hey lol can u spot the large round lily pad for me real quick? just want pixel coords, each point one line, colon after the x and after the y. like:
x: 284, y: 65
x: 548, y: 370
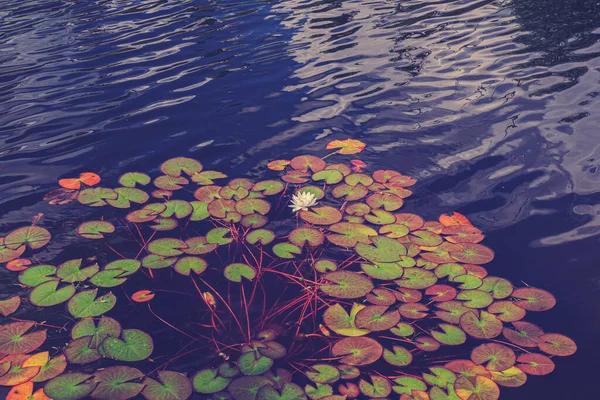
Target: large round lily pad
x: 86, y: 304
x: 15, y: 340
x: 170, y: 386
x: 135, y: 345
x: 117, y: 383
x: 346, y: 285
x: 357, y: 350
x: 70, y: 386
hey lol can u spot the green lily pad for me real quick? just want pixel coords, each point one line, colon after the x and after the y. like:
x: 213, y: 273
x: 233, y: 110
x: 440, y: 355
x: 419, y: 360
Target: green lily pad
x: 115, y: 383
x: 170, y: 183
x: 164, y: 224
x: 481, y: 387
x: 71, y: 271
x: 475, y: 298
x: 207, y: 381
x: 398, y: 356
x: 350, y: 193
x: 286, y: 250
x: 96, y: 197
x: 406, y: 385
x: 394, y: 231
x: 219, y: 208
x: 47, y: 294
x: 70, y: 386
x: 403, y: 329
x: 108, y: 278
x: 251, y: 206
x: 235, y: 272
x: 268, y: 188
x: 95, y: 229
x: 440, y: 377
x: 380, y: 217
x: 80, y: 351
x: 153, y: 261
x: 207, y: 177
x: 323, y: 373
x: 290, y: 391
x: 306, y: 236
x: 146, y: 214
x: 85, y: 304
x: 346, y: 285
x: 321, y: 391
x: 325, y: 215
x: 199, y: 211
x: 131, y: 179
x: 170, y: 386
x: 177, y: 208
x: 262, y: 236
x: 500, y: 288
x: 378, y: 388
x: 348, y: 234
x: 186, y: 265
x: 254, y: 220
x: 15, y: 340
x: 450, y: 335
x: 217, y: 236
x: 329, y: 176
x: 506, y: 311
x: 324, y: 266
x: 387, y: 201
x: 338, y: 320
x: 252, y: 363
x: 383, y: 271
x: 87, y: 328
x: 34, y: 237
x: 177, y: 166
x: 167, y: 247
x: 415, y: 278
x: 199, y: 245
x: 126, y: 266
x: 37, y: 275
x: 126, y: 196
x: 383, y: 249
x: 247, y: 387
x: 451, y: 311
x: 135, y: 346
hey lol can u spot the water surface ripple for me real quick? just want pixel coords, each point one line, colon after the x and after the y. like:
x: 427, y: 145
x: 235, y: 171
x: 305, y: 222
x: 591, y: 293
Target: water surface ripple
x: 492, y: 105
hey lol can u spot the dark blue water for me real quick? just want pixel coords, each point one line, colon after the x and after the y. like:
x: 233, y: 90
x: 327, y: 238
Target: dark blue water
x: 491, y: 105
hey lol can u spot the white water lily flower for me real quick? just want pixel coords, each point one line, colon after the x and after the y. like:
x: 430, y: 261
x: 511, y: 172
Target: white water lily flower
x: 302, y: 201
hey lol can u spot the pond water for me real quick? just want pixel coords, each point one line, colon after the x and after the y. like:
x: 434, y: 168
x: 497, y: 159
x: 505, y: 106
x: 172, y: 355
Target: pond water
x: 491, y: 105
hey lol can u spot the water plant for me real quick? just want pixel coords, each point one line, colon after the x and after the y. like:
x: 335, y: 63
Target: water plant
x: 342, y: 297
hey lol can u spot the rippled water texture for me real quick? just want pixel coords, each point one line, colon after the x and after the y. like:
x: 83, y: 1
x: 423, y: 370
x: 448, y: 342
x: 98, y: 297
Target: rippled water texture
x: 492, y: 105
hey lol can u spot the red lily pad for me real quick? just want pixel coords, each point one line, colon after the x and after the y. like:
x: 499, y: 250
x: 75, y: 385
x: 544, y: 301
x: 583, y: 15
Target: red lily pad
x: 412, y: 221
x: 525, y: 334
x: 325, y: 215
x: 115, y: 383
x: 481, y: 389
x: 142, y: 296
x: 208, y: 193
x: 9, y: 305
x: 454, y: 219
x: 496, y: 357
x: 535, y: 364
x: 278, y: 165
x: 357, y: 350
x: 387, y: 201
x: 473, y: 253
x: 481, y: 324
x: 510, y: 377
x: 346, y: 285
x: 15, y: 340
x: 377, y: 318
x: 507, y: 311
x: 554, y: 344
x: 305, y: 163
x: 14, y: 371
x: 532, y: 299
x: 462, y: 234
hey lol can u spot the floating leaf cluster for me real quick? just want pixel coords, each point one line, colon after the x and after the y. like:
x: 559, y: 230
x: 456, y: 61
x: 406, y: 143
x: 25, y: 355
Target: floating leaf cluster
x: 353, y: 295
